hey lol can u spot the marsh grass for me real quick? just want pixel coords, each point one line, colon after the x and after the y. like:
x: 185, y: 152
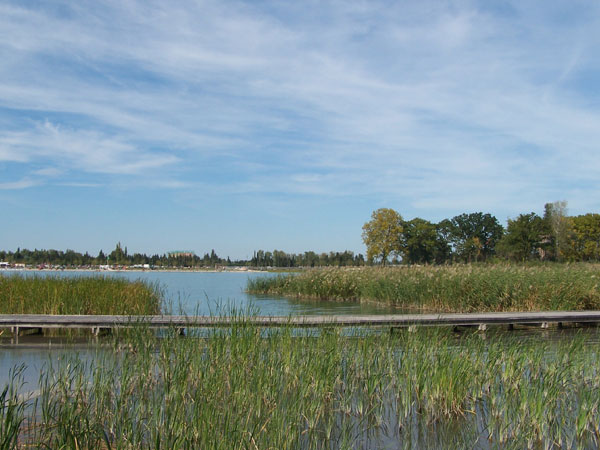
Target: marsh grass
x: 12, y: 409
x: 237, y: 389
x: 457, y: 288
x: 77, y: 295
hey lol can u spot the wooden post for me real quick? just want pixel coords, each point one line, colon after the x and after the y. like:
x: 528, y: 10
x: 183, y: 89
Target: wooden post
x: 15, y: 334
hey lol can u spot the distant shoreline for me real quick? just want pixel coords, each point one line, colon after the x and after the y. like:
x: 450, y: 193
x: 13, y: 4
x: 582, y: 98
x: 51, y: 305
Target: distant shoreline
x: 77, y: 269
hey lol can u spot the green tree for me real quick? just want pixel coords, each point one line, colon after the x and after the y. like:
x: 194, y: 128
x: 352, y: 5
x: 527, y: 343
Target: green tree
x: 382, y: 235
x: 523, y: 238
x: 310, y: 259
x: 118, y: 255
x: 420, y: 241
x: 558, y: 229
x: 474, y: 236
x: 584, y: 244
x: 101, y: 258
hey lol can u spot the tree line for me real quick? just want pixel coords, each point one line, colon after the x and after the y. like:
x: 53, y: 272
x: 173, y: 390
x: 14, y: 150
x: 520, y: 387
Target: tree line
x: 278, y: 258
x: 478, y: 236
x: 121, y: 257
x: 472, y: 237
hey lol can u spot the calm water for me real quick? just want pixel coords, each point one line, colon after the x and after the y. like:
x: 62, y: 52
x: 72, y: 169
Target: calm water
x: 206, y: 293
x: 212, y: 293
x: 202, y: 293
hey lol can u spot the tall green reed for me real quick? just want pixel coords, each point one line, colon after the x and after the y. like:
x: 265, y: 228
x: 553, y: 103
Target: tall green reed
x: 242, y: 388
x: 12, y: 409
x: 459, y: 288
x: 77, y: 295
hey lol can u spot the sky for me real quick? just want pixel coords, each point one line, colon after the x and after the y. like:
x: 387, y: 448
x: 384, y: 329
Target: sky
x: 245, y: 125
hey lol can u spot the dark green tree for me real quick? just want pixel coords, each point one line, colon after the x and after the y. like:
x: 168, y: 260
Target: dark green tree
x: 474, y: 236
x: 523, y: 238
x: 118, y: 255
x: 419, y: 241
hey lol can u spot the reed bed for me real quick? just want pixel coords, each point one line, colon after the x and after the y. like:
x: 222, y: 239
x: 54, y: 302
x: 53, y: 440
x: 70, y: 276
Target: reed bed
x: 77, y: 295
x: 457, y: 288
x: 239, y: 388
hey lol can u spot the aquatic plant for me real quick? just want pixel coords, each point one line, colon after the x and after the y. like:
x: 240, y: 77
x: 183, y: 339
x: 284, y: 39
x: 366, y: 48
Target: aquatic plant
x: 12, y: 408
x: 77, y: 295
x: 243, y: 387
x: 456, y: 288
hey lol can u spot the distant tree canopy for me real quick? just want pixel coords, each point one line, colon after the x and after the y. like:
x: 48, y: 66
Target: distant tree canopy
x: 466, y: 238
x: 524, y: 236
x: 382, y: 235
x: 278, y: 258
x: 422, y: 242
x: 479, y: 236
x: 583, y: 238
x: 121, y: 257
x: 557, y: 229
x: 469, y: 237
x: 474, y: 236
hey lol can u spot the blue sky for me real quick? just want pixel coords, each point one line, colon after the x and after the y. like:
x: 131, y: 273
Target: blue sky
x: 243, y: 125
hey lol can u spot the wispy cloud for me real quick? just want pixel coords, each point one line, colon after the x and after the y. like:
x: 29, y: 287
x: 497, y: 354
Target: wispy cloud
x: 440, y: 106
x: 85, y: 150
x: 23, y: 183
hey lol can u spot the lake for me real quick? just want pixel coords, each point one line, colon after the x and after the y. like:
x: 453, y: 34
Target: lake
x: 211, y: 293
x: 201, y: 293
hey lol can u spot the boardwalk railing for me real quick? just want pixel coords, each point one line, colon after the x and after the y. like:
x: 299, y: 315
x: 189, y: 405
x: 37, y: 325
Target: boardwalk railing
x: 97, y: 322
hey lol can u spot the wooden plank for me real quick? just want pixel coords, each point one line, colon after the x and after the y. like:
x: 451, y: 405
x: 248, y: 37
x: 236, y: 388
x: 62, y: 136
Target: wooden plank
x: 474, y: 319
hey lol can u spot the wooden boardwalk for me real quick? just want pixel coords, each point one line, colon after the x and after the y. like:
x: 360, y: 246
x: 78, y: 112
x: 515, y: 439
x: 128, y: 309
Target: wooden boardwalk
x: 18, y: 322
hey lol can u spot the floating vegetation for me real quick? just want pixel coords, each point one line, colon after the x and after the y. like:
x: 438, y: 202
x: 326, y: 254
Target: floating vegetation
x: 77, y: 295
x: 456, y: 288
x: 238, y: 389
